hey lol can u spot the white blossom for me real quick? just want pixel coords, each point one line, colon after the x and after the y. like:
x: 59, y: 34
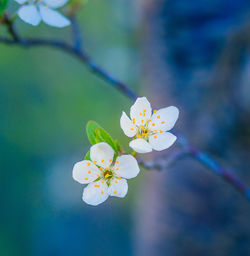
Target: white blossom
x: 149, y: 131
x: 33, y: 11
x: 104, y: 176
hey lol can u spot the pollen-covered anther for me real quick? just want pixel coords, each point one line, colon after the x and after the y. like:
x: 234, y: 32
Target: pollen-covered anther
x: 94, y: 162
x: 155, y: 136
x: 89, y: 171
x: 110, y: 183
x: 117, y: 162
x: 110, y: 160
x: 88, y: 164
x: 153, y: 124
x: 106, y: 176
x: 98, y: 175
x: 140, y: 114
x: 142, y: 121
x: 106, y: 169
x: 116, y: 181
x: 155, y: 131
x: 131, y: 129
x: 86, y: 178
x: 103, y: 181
x: 161, y: 131
x: 163, y: 122
x: 100, y: 168
x: 115, y: 191
x: 139, y: 136
x: 117, y: 169
x: 155, y: 111
x: 47, y: 6
x: 102, y: 160
x: 133, y: 120
x: 119, y: 177
x: 97, y: 186
x: 158, y: 117
x: 102, y: 192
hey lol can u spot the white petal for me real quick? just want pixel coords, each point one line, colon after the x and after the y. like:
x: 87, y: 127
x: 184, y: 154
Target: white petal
x: 164, y: 119
x: 55, y: 3
x: 140, y: 146
x: 161, y: 141
x: 127, y: 126
x: 85, y: 172
x: 21, y: 1
x: 29, y: 14
x: 118, y: 188
x: 53, y: 18
x: 102, y: 153
x: 95, y: 193
x: 126, y: 166
x: 141, y: 111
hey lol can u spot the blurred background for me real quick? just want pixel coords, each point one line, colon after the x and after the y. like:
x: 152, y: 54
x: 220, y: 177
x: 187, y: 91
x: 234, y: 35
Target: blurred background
x: 193, y: 54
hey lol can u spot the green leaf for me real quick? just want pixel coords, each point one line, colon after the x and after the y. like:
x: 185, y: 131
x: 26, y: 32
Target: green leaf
x: 3, y: 6
x: 97, y: 134
x: 90, y: 129
x: 87, y: 156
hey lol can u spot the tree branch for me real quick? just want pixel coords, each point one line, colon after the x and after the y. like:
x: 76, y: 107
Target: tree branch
x: 77, y: 52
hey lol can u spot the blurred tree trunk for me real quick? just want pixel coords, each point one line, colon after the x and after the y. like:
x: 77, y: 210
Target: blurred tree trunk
x: 195, y: 57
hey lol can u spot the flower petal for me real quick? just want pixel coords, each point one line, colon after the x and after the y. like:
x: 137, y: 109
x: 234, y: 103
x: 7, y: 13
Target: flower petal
x: 126, y: 166
x: 55, y: 3
x: 53, y: 18
x: 118, y: 188
x: 95, y: 193
x: 102, y: 154
x: 127, y: 126
x: 21, y: 1
x: 141, y: 111
x: 164, y: 119
x: 140, y: 146
x: 85, y: 172
x: 29, y: 14
x: 161, y: 141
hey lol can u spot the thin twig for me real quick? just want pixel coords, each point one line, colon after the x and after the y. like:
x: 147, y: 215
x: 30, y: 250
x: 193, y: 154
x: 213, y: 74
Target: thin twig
x: 80, y: 54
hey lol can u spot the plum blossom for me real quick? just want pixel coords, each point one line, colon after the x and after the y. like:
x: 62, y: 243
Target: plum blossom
x: 104, y: 176
x: 149, y: 131
x: 33, y: 11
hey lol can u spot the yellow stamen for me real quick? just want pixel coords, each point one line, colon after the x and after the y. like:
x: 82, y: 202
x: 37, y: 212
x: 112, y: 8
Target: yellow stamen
x: 155, y: 111
x: 117, y: 169
x: 131, y: 129
x: 139, y: 136
x: 142, y: 121
x: 155, y: 136
x: 107, y: 169
x: 106, y: 176
x: 153, y: 124
x: 88, y: 164
x: 100, y: 168
x: 115, y: 192
x: 163, y: 122
x: 102, y: 192
x: 89, y: 172
x: 86, y: 178
x: 98, y: 175
x: 97, y: 186
x: 47, y: 6
x: 94, y: 162
x: 155, y: 131
x: 161, y: 131
x: 119, y: 177
x: 117, y: 162
x: 144, y: 110
x: 110, y: 183
x: 103, y: 181
x: 116, y: 181
x: 110, y: 160
x: 140, y: 114
x: 102, y: 160
x: 158, y: 117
